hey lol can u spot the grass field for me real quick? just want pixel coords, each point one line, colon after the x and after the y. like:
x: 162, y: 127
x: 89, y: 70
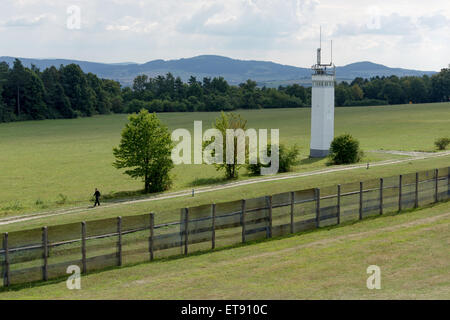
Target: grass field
x: 410, y: 248
x: 40, y: 160
x: 57, y: 163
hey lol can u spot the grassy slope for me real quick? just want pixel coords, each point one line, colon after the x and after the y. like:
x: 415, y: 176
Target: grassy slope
x: 410, y: 248
x: 41, y: 159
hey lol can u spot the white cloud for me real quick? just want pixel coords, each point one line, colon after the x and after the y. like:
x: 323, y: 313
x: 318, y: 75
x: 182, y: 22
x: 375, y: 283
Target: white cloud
x: 248, y: 18
x: 391, y: 25
x: 132, y: 24
x: 24, y: 21
x: 435, y: 21
x: 284, y: 31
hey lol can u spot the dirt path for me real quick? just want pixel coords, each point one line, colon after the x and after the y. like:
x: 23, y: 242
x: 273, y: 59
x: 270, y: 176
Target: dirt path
x: 404, y: 153
x: 123, y: 202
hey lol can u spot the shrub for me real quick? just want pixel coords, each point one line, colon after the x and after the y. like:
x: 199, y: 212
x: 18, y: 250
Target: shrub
x: 442, y: 143
x: 365, y: 102
x: 62, y: 199
x: 288, y: 157
x: 16, y: 206
x: 345, y: 149
x: 41, y: 204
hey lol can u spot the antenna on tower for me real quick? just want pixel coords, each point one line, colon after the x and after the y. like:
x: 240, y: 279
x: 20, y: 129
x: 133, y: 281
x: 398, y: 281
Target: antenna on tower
x: 320, y: 37
x: 319, y: 60
x: 331, y: 51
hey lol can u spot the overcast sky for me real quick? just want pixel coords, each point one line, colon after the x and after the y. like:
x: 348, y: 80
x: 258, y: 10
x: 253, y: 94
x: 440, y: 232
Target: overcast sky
x: 398, y: 33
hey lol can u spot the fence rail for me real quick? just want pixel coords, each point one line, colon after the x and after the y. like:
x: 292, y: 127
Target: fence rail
x: 45, y: 253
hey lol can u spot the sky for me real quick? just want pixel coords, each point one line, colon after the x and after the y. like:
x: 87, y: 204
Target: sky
x: 412, y: 34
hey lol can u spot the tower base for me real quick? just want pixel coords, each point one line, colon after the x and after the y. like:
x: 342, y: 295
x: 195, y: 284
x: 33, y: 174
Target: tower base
x: 315, y: 153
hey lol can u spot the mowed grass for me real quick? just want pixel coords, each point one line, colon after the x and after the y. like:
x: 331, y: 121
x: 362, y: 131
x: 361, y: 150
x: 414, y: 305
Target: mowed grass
x: 410, y: 248
x: 57, y: 163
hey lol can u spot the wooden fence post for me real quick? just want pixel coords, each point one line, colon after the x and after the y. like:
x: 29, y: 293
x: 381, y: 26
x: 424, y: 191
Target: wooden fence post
x: 400, y: 184
x: 317, y: 207
x: 6, y: 276
x: 119, y: 242
x: 83, y: 246
x: 360, y: 200
x: 269, y: 198
x: 152, y: 234
x: 292, y: 211
x: 436, y: 183
x: 416, y: 197
x: 186, y: 230
x: 45, y: 246
x: 338, y: 204
x: 213, y: 235
x: 243, y: 219
x: 381, y: 195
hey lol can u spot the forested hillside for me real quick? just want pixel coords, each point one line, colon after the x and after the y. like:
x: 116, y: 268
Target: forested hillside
x: 234, y: 71
x: 68, y: 92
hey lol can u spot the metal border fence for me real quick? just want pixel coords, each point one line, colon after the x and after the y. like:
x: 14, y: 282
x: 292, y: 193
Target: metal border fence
x: 45, y: 253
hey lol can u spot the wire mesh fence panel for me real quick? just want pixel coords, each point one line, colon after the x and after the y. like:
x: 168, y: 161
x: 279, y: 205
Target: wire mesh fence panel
x: 25, y: 275
x: 391, y: 194
x: 371, y: 184
x: 371, y: 203
x: 228, y: 223
x: 256, y: 219
x: 101, y: 244
x: 25, y: 255
x: 135, y: 239
x: 328, y: 206
x: 281, y: 214
x: 64, y: 248
x: 427, y: 187
x: 443, y: 184
x: 200, y: 225
x: 304, y: 210
x: 408, y: 191
x: 371, y: 198
x: 26, y: 252
x: 168, y: 237
x: 349, y: 202
x: 2, y: 263
x: 101, y: 262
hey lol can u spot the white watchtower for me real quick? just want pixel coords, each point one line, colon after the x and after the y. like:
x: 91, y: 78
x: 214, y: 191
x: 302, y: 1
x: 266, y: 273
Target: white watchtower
x: 322, y: 106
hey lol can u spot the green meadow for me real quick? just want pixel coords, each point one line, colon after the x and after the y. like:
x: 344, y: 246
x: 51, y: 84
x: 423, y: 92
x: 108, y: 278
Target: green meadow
x: 57, y: 163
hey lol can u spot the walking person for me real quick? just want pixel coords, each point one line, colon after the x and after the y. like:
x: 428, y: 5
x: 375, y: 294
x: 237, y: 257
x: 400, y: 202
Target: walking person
x: 97, y: 197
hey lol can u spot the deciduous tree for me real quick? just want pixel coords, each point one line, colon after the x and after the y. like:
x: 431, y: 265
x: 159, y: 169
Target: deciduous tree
x: 145, y: 151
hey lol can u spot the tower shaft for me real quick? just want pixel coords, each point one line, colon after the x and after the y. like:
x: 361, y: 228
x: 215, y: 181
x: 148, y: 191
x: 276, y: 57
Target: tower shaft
x: 322, y: 114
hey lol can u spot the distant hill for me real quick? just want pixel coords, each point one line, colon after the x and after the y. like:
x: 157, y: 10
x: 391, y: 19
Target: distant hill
x: 233, y: 70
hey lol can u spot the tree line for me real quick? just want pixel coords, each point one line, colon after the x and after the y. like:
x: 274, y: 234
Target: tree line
x: 68, y: 92
x: 394, y: 90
